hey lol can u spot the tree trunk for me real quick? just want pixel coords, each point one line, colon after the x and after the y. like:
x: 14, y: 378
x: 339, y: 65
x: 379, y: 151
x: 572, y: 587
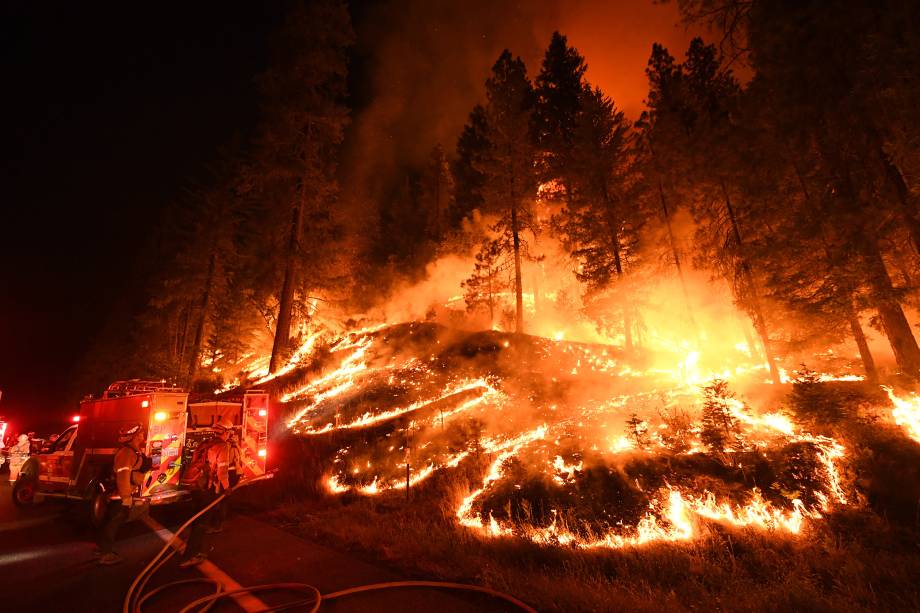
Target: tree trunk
x: 518, y: 287
x: 202, y: 318
x: 891, y: 315
x: 852, y: 313
x: 182, y: 343
x: 491, y: 301
x: 613, y: 227
x: 437, y: 202
x: 896, y: 178
x: 863, y: 344
x: 286, y: 302
x: 680, y: 271
x: 753, y: 300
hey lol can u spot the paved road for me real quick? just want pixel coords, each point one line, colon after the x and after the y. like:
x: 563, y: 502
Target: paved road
x: 46, y: 564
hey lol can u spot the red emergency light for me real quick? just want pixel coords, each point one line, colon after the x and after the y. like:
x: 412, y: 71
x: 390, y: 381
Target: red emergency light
x: 262, y: 453
x: 75, y: 419
x: 262, y: 412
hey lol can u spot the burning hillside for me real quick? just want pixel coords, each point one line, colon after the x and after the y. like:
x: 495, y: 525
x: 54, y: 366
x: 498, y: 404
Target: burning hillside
x: 576, y: 443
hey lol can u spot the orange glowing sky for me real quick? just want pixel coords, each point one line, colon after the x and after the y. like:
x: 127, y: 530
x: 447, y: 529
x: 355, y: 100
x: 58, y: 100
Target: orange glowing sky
x: 616, y: 37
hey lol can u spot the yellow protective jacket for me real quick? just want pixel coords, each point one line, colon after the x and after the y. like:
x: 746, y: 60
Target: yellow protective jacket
x: 219, y: 457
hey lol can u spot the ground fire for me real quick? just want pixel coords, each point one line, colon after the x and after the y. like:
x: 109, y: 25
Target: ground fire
x: 578, y: 443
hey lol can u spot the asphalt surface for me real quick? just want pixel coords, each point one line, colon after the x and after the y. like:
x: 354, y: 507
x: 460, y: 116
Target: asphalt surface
x: 47, y: 564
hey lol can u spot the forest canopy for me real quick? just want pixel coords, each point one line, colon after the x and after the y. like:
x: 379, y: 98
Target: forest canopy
x: 796, y: 189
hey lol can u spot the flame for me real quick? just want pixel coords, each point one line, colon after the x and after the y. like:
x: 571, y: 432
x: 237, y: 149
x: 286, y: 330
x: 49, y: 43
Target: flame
x: 906, y: 412
x: 674, y: 512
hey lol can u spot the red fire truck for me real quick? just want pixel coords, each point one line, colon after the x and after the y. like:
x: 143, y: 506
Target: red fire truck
x: 78, y: 466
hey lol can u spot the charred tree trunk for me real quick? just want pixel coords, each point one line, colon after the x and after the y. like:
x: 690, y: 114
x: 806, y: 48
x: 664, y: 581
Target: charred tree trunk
x: 202, y: 318
x: 613, y: 227
x: 437, y: 203
x: 753, y: 298
x: 863, y: 345
x: 852, y: 313
x: 899, y: 185
x: 491, y: 300
x: 286, y: 301
x: 891, y: 315
x: 518, y: 287
x: 183, y: 342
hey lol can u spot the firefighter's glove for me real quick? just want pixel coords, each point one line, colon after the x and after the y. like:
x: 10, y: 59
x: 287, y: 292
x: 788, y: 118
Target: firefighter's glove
x: 127, y: 501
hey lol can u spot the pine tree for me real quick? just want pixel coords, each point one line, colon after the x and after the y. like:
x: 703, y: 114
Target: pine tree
x: 468, y: 179
x: 509, y: 185
x: 559, y: 93
x: 660, y: 130
x: 488, y: 281
x: 600, y: 222
x: 719, y: 429
x: 304, y: 121
x: 637, y: 429
x: 435, y: 190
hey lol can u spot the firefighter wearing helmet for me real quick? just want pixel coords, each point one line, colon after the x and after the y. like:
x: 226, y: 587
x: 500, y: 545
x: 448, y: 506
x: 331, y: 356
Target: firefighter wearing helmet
x: 19, y: 453
x: 129, y: 467
x: 219, y: 457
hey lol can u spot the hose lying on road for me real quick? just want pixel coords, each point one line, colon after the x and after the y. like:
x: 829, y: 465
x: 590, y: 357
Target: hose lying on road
x: 136, y: 597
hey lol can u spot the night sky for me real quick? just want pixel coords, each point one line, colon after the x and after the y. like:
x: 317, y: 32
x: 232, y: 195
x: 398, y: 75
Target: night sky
x: 108, y: 112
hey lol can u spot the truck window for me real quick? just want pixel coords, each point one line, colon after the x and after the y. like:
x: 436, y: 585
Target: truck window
x: 66, y: 435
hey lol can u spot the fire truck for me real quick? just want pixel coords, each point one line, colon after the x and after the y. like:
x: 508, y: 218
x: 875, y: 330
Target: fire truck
x: 78, y: 466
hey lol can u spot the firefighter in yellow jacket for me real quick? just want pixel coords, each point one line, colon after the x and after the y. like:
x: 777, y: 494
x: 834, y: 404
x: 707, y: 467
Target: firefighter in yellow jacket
x: 129, y: 466
x: 219, y: 456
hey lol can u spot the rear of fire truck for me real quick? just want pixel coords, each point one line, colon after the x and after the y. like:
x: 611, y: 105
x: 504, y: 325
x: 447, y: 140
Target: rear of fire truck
x: 249, y: 415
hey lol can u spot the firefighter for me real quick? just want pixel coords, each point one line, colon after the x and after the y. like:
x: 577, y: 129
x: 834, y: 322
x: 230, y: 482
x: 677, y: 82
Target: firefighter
x: 129, y: 467
x: 218, y: 483
x: 234, y: 474
x: 19, y: 453
x: 236, y: 459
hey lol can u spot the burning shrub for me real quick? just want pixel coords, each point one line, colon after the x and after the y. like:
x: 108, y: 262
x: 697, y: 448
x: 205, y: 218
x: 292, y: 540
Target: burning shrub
x: 719, y: 430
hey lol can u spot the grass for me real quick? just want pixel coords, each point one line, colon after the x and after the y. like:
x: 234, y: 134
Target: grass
x: 861, y: 557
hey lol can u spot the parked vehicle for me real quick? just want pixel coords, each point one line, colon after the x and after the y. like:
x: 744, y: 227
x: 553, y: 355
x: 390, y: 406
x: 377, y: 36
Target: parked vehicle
x: 78, y: 465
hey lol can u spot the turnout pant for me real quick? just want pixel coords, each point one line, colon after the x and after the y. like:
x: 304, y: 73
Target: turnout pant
x: 196, y: 538
x: 110, y: 530
x: 119, y: 517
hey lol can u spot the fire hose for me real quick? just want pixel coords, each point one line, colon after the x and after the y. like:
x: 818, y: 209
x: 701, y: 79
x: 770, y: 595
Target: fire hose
x: 136, y: 597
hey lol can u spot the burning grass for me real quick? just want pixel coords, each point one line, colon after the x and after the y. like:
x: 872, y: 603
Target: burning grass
x: 534, y: 466
x: 546, y: 424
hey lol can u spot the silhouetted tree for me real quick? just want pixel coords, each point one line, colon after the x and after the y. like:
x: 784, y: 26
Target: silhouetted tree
x: 472, y: 146
x: 303, y: 95
x: 558, y: 91
x: 509, y: 185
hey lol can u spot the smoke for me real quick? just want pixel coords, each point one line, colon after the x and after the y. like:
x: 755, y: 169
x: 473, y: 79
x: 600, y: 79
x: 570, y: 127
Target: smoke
x: 421, y: 67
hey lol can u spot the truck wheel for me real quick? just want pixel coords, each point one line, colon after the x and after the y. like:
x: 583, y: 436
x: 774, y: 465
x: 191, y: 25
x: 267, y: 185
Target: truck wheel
x: 98, y: 507
x: 24, y: 491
